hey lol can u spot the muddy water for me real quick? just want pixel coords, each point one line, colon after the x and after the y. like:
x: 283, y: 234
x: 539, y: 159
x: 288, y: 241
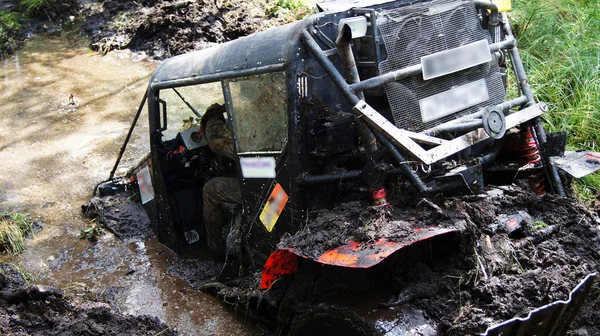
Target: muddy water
x: 65, y: 112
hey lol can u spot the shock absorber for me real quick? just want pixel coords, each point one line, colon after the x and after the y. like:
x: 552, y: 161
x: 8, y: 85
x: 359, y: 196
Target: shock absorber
x: 379, y: 197
x: 531, y: 155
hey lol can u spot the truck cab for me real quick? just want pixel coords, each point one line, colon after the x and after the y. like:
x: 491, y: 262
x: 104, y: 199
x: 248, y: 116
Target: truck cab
x: 342, y: 105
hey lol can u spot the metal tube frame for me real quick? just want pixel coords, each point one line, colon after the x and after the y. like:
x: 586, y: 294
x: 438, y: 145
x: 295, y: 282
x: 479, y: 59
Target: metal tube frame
x: 449, y: 126
x: 215, y: 77
x: 414, y: 70
x: 379, y: 126
x: 549, y: 168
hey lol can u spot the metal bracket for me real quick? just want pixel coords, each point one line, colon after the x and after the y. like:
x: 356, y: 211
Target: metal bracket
x: 409, y: 141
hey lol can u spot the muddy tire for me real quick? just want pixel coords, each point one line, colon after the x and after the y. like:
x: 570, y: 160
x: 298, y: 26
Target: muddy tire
x: 330, y: 320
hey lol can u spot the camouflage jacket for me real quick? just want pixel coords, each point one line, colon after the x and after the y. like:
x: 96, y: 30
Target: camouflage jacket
x: 218, y: 137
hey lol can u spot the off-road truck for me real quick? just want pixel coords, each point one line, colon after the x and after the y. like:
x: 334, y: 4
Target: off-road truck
x: 365, y: 103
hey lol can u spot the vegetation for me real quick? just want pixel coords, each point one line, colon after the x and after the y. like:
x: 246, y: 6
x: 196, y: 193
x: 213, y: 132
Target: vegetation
x: 539, y: 225
x: 288, y: 10
x: 91, y: 233
x: 14, y: 227
x: 10, y: 23
x: 12, y: 18
x: 559, y: 42
x: 36, y: 7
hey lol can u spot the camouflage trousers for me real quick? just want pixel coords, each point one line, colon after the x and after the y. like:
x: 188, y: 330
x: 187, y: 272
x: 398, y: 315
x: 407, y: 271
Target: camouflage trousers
x: 216, y: 191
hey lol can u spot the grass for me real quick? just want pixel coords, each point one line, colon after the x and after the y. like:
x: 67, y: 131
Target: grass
x: 288, y: 10
x: 14, y: 227
x: 10, y: 24
x: 559, y: 42
x: 35, y: 7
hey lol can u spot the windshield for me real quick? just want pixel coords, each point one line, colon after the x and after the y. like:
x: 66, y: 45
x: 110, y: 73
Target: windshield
x: 188, y: 102
x: 259, y: 112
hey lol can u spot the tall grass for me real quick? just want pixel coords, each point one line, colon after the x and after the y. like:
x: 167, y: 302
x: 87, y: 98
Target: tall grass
x: 14, y: 227
x: 560, y: 46
x: 36, y: 7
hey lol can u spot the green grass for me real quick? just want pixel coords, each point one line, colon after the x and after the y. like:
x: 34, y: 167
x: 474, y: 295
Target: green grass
x: 559, y: 42
x: 10, y: 23
x: 14, y: 227
x: 288, y: 10
x: 35, y: 8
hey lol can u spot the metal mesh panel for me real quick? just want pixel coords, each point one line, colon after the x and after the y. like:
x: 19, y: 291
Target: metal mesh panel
x: 411, y: 32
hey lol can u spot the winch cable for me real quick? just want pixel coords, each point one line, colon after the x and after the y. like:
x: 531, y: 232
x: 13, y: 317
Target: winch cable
x: 122, y: 151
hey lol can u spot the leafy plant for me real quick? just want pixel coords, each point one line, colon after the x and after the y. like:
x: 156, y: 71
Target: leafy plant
x: 92, y: 233
x: 288, y: 10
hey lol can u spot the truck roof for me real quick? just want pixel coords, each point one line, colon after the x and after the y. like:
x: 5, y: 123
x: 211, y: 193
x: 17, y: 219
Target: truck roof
x: 270, y: 47
x: 343, y: 5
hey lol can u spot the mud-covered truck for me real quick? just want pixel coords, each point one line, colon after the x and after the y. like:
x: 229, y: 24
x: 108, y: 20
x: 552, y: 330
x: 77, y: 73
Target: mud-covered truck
x: 346, y: 125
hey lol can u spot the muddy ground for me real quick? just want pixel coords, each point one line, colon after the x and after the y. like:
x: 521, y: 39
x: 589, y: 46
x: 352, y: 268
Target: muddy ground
x: 161, y: 29
x: 39, y: 310
x: 485, y: 277
x: 156, y: 29
x: 482, y: 276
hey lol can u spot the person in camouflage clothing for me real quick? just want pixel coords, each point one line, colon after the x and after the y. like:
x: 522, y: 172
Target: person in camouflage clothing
x: 218, y: 189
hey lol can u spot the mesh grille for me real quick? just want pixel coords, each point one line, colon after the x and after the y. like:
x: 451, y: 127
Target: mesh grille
x: 411, y: 32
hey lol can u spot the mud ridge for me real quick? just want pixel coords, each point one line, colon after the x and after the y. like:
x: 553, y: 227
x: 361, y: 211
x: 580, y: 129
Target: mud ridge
x: 39, y: 310
x: 162, y: 29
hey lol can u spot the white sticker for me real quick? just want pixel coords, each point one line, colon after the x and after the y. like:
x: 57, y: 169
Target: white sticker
x: 145, y: 184
x: 453, y: 100
x: 258, y: 167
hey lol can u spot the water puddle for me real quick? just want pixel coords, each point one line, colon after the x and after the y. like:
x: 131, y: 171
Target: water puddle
x: 65, y: 113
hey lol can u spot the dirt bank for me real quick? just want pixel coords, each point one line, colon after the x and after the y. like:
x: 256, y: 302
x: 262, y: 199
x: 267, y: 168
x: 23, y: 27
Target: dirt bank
x: 162, y: 29
x: 38, y: 310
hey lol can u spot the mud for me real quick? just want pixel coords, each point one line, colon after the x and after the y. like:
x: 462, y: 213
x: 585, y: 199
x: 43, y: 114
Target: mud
x: 359, y: 221
x: 39, y: 310
x: 120, y: 214
x: 161, y: 29
x: 469, y: 281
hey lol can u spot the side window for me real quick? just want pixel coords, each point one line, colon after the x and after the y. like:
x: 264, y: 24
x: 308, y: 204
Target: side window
x: 259, y: 112
x: 180, y: 101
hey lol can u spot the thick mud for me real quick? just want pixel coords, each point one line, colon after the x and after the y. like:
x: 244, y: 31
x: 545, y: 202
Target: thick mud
x: 120, y: 214
x: 329, y: 228
x: 162, y: 29
x: 40, y: 310
x: 467, y: 281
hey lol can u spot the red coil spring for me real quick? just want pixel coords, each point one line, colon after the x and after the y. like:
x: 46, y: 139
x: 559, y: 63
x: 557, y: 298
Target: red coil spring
x: 531, y: 155
x: 379, y: 197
